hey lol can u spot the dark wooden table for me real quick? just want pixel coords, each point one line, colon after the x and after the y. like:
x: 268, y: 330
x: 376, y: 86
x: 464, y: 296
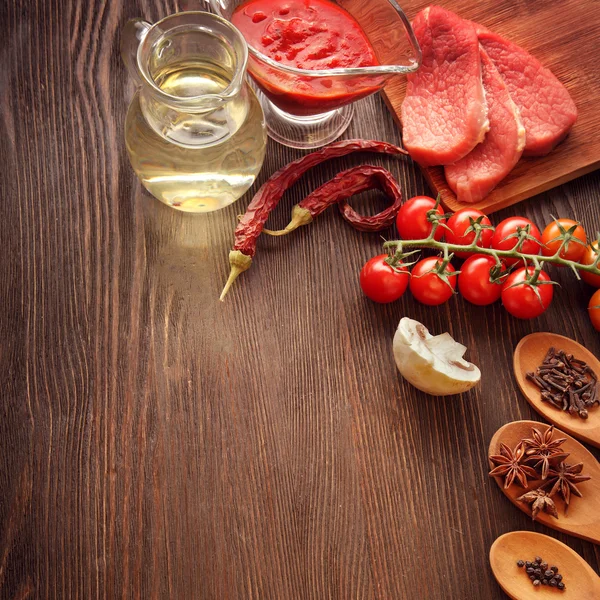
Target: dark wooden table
x: 156, y: 443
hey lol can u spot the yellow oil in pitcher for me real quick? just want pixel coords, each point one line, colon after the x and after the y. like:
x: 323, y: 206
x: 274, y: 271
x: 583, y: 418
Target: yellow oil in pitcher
x: 194, y: 131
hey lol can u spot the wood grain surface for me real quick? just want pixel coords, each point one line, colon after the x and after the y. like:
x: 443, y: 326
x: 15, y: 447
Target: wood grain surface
x: 563, y: 35
x: 156, y: 443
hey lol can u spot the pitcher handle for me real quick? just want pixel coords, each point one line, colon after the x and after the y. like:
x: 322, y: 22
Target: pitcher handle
x: 132, y: 36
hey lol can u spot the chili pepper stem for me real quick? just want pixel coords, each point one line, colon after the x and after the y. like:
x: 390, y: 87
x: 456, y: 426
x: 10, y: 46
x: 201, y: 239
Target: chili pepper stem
x: 239, y: 262
x: 300, y: 216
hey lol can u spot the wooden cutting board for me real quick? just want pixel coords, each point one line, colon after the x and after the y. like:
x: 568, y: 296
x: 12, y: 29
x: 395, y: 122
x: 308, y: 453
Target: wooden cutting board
x: 565, y: 36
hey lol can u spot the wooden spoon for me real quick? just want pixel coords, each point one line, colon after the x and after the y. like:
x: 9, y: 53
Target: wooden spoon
x: 529, y: 354
x: 583, y: 519
x: 579, y: 578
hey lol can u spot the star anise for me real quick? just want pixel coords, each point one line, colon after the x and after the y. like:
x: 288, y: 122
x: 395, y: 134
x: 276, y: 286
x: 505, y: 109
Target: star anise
x: 509, y: 465
x: 544, y: 463
x: 564, y: 479
x: 543, y: 450
x: 540, y: 501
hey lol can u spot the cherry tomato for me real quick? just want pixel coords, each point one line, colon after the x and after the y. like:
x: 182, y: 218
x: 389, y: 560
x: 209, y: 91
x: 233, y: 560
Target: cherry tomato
x: 510, y: 226
x: 380, y: 282
x: 459, y: 222
x: 474, y: 280
x: 428, y: 288
x: 573, y: 251
x: 521, y: 301
x: 594, y: 310
x: 412, y: 222
x: 589, y: 256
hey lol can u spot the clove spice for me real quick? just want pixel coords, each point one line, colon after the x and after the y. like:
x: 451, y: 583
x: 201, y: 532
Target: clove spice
x: 567, y: 383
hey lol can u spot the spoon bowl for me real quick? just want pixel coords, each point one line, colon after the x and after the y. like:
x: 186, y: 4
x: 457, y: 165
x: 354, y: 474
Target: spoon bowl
x: 529, y: 354
x: 583, y: 519
x: 580, y: 579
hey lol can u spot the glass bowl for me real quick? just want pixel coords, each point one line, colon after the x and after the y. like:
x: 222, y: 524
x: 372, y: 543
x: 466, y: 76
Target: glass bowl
x: 310, y: 108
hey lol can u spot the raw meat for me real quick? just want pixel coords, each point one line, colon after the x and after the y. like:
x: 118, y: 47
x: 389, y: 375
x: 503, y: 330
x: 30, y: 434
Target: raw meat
x: 473, y: 177
x: 547, y: 109
x: 444, y: 114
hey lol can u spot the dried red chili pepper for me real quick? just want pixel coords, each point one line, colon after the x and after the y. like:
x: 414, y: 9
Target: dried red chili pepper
x: 268, y: 196
x: 337, y: 191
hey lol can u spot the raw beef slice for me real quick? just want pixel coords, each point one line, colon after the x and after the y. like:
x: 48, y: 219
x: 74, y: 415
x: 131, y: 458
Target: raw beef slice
x: 547, y: 109
x: 473, y: 177
x: 444, y: 114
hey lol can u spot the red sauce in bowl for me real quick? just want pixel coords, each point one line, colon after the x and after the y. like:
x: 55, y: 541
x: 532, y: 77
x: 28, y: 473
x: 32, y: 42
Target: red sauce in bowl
x: 310, y: 35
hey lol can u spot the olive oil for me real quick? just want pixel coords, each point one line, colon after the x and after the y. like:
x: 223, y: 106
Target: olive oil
x: 195, y: 156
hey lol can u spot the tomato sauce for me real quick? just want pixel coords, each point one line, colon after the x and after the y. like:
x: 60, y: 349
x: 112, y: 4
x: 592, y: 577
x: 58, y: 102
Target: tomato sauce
x: 310, y: 35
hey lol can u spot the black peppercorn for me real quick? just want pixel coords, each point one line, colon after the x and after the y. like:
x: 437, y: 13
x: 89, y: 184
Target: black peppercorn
x: 539, y: 573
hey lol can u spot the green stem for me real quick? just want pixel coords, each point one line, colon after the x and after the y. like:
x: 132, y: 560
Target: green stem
x: 430, y: 242
x: 536, y: 273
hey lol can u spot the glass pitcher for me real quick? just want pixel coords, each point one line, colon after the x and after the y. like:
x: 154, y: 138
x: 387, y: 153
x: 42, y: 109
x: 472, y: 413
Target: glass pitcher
x: 195, y: 132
